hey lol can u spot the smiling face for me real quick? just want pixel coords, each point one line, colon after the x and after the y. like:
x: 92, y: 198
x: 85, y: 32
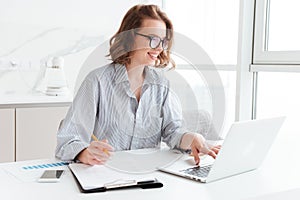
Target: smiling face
x: 142, y: 53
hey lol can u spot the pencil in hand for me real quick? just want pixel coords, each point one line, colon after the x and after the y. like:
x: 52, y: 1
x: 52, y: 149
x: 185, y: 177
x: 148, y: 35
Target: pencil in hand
x: 96, y: 139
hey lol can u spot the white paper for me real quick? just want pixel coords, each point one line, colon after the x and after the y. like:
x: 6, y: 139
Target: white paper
x: 98, y: 176
x: 124, y: 167
x: 142, y: 161
x: 21, y: 172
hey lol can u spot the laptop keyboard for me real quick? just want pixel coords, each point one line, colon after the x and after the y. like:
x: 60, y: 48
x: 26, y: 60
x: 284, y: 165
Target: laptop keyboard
x: 198, y: 171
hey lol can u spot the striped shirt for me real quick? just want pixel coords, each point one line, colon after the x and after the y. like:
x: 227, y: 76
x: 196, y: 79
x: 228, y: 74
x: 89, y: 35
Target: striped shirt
x: 106, y: 107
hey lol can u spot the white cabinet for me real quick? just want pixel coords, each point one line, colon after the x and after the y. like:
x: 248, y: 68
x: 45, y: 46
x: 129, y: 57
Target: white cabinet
x: 36, y: 130
x: 7, y: 135
x: 28, y: 133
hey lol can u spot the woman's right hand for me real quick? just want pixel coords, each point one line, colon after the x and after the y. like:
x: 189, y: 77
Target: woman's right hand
x: 97, y: 153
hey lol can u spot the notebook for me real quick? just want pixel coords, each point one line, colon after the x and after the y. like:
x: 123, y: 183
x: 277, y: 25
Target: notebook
x: 243, y: 150
x: 132, y: 168
x: 100, y: 178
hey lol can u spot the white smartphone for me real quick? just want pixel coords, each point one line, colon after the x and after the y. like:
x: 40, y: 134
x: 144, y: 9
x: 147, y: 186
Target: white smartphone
x: 51, y: 176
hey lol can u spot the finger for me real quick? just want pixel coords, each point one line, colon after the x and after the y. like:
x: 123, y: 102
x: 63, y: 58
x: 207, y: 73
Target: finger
x: 195, y: 154
x: 92, y: 159
x: 214, y: 146
x: 94, y: 153
x: 212, y: 154
x: 108, y: 148
x: 100, y: 154
x: 100, y: 151
x: 205, y: 149
x: 104, y: 140
x: 95, y: 162
x: 99, y: 158
x: 102, y: 145
x: 216, y: 150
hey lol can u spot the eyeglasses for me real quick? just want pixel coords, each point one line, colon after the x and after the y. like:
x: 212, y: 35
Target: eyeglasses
x: 154, y: 41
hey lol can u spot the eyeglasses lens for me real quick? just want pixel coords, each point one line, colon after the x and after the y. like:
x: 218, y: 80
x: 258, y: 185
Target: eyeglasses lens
x: 155, y: 42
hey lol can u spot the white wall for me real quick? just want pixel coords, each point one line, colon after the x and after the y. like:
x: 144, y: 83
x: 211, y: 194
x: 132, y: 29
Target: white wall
x: 32, y: 31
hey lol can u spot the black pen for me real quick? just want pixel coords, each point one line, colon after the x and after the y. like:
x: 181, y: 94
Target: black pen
x: 146, y: 181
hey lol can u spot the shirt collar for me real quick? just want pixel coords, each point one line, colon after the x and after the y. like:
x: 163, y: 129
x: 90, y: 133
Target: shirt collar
x: 154, y: 76
x: 149, y: 78
x: 120, y: 74
x: 151, y: 75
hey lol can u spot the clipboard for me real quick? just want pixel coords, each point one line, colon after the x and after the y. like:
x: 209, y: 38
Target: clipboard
x: 100, y: 178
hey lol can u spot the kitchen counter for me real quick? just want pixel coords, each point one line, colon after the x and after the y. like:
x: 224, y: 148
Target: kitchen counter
x: 23, y: 100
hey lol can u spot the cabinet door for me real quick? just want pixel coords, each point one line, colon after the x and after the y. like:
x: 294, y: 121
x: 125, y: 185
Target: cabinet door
x: 7, y: 135
x: 36, y: 130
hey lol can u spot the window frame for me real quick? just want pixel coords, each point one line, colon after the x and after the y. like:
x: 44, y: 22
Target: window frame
x: 244, y: 77
x: 260, y: 55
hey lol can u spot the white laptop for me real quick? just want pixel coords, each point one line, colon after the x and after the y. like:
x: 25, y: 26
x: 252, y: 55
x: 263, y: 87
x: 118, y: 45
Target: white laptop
x: 244, y: 148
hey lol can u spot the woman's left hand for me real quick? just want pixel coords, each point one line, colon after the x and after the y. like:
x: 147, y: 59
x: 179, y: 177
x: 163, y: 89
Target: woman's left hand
x: 197, y: 144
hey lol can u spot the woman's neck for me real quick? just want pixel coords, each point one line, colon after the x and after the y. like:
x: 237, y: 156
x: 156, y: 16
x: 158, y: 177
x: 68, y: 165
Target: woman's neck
x: 136, y: 79
x: 135, y: 71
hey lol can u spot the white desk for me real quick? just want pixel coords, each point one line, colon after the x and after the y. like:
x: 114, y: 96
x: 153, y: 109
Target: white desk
x: 269, y: 178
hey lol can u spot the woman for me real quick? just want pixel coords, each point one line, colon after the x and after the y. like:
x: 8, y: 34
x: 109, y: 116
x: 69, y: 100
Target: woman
x: 127, y: 104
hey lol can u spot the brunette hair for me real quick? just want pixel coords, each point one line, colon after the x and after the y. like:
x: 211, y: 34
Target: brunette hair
x: 122, y: 41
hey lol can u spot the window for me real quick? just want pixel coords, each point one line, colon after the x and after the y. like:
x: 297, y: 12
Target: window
x: 277, y: 32
x: 278, y: 95
x: 276, y: 52
x: 283, y: 25
x: 213, y: 26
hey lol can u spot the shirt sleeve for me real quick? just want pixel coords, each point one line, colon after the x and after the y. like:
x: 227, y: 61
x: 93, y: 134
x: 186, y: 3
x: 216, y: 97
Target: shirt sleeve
x: 172, y: 127
x: 75, y: 132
